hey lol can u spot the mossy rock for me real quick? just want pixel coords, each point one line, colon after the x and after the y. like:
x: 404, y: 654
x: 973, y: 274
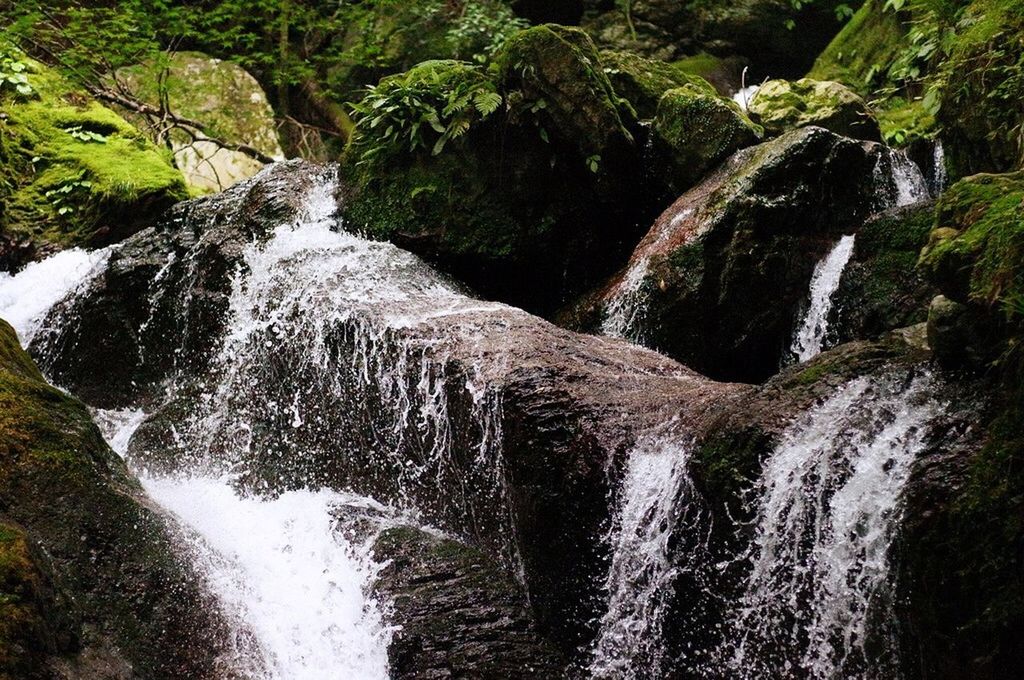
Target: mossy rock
x: 222, y: 96
x: 724, y: 73
x: 73, y: 172
x: 560, y: 66
x: 529, y: 204
x: 781, y: 105
x: 695, y: 130
x: 982, y: 87
x: 860, y: 52
x: 881, y: 288
x: 642, y: 81
x: 87, y: 569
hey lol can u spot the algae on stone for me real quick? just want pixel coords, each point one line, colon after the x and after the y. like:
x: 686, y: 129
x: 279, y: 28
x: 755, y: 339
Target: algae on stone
x: 73, y: 171
x: 781, y: 105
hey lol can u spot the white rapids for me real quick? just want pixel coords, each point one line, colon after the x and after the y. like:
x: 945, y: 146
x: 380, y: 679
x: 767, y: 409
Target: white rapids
x: 810, y: 336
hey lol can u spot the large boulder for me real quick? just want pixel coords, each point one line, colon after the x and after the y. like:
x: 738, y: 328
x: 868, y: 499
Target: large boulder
x: 494, y: 423
x: 72, y: 172
x: 642, y: 81
x: 226, y: 100
x: 531, y: 227
x: 720, y: 278
x: 781, y: 105
x: 458, y: 612
x: 91, y: 585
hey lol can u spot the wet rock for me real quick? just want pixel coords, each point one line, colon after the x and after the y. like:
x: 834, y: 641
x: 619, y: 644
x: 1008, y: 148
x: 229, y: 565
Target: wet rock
x: 720, y: 278
x: 460, y: 614
x: 496, y: 424
x: 643, y: 81
x: 91, y: 584
x: 781, y: 105
x: 881, y: 288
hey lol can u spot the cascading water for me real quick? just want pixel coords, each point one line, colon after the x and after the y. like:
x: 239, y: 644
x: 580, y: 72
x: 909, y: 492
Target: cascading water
x: 26, y: 298
x: 940, y: 176
x: 817, y: 600
x: 657, y: 505
x: 809, y: 339
x: 908, y: 183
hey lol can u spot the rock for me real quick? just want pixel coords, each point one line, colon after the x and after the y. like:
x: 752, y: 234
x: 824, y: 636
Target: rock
x: 755, y: 29
x: 556, y: 409
x: 724, y: 73
x: 720, y: 278
x: 460, y: 614
x: 90, y: 582
x: 226, y: 100
x: 780, y: 105
x: 694, y: 131
x: 530, y: 227
x: 980, y: 120
x: 974, y: 256
x: 881, y: 288
x: 951, y: 332
x: 642, y: 81
x: 72, y: 172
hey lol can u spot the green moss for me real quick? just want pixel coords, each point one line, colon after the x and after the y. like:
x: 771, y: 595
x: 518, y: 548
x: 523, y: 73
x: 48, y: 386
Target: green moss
x: 642, y: 81
x: 904, y: 120
x: 861, y: 52
x: 701, y: 64
x: 698, y: 131
x: 979, y: 254
x: 780, y: 105
x: 73, y: 166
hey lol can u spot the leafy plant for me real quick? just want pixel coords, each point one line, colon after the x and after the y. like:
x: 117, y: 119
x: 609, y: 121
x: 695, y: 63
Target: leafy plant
x: 426, y: 108
x: 83, y: 135
x: 14, y: 75
x: 67, y: 196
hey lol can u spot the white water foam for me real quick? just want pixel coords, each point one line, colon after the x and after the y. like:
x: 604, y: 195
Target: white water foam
x: 809, y: 339
x: 908, y: 180
x: 26, y: 297
x: 745, y: 95
x: 827, y: 509
x: 656, y: 500
x: 940, y: 176
x: 282, y: 569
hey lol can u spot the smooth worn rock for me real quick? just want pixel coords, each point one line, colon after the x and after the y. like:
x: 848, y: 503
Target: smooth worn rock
x: 459, y: 613
x: 719, y: 280
x: 781, y: 105
x: 557, y: 409
x: 226, y: 100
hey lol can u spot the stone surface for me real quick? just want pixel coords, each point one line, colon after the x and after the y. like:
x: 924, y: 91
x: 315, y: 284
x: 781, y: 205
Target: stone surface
x: 724, y: 271
x: 781, y: 105
x: 227, y: 100
x: 460, y: 614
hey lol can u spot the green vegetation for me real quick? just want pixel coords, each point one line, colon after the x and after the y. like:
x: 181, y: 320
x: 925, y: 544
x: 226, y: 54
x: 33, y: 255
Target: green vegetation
x: 71, y: 169
x: 642, y: 81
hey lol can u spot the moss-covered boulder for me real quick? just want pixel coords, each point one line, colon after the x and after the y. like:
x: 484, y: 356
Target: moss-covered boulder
x: 695, y: 130
x: 523, y: 181
x: 642, y: 81
x: 458, y: 612
x: 982, y: 88
x: 775, y: 35
x: 724, y: 73
x: 90, y: 584
x: 72, y: 172
x: 881, y: 288
x: 221, y: 96
x: 781, y: 105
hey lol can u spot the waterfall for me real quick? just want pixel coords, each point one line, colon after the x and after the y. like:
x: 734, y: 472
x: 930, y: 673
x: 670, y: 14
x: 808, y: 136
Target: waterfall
x: 940, y: 175
x: 623, y: 315
x: 818, y: 595
x: 809, y: 339
x: 656, y: 504
x: 908, y: 182
x: 26, y: 297
x: 745, y: 95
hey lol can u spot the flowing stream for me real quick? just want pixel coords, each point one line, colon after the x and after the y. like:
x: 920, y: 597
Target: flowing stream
x: 810, y: 335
